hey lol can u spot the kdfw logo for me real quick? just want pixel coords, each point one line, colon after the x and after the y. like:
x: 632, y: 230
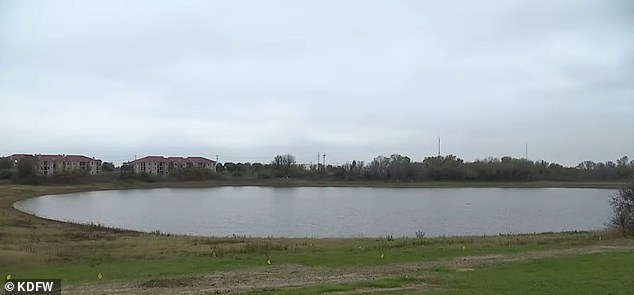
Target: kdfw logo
x: 51, y: 287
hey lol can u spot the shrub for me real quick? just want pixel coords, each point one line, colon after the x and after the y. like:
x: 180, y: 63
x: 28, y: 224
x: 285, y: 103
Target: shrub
x: 194, y: 174
x: 68, y: 176
x: 622, y: 204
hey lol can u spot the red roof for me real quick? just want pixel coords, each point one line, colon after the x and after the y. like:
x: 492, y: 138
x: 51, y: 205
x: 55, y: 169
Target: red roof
x: 199, y: 160
x: 69, y: 158
x: 19, y: 156
x: 173, y: 159
x: 79, y: 158
x: 151, y: 159
x: 160, y: 159
x: 50, y: 157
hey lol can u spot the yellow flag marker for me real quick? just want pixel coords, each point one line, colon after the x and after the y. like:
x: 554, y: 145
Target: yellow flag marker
x: 382, y: 255
x: 99, y: 276
x: 268, y: 261
x: 8, y: 277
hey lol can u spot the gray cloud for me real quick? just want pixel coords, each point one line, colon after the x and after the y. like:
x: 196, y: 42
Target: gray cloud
x: 355, y: 79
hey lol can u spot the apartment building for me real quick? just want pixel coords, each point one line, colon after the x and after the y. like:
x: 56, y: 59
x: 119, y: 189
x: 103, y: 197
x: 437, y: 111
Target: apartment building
x: 52, y: 164
x: 159, y: 165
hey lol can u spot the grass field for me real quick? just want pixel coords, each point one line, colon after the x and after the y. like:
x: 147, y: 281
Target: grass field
x: 598, y: 273
x: 142, y: 263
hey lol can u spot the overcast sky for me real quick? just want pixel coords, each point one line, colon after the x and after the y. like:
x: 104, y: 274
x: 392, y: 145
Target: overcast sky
x: 355, y: 79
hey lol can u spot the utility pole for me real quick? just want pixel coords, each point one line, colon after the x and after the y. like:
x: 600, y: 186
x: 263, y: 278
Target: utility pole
x: 318, y: 159
x: 439, y: 146
x: 526, y: 151
x: 324, y: 155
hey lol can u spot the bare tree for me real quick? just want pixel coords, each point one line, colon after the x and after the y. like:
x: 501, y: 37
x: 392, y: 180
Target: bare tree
x: 622, y: 204
x: 283, y: 163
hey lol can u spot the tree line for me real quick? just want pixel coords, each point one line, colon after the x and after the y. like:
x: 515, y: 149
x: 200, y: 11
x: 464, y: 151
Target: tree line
x: 395, y: 168
x: 401, y: 168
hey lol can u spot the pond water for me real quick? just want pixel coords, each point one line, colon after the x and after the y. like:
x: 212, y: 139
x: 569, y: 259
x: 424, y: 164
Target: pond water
x: 332, y: 211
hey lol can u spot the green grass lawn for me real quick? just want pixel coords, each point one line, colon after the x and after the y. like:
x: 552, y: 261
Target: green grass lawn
x: 601, y: 273
x: 164, y: 256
